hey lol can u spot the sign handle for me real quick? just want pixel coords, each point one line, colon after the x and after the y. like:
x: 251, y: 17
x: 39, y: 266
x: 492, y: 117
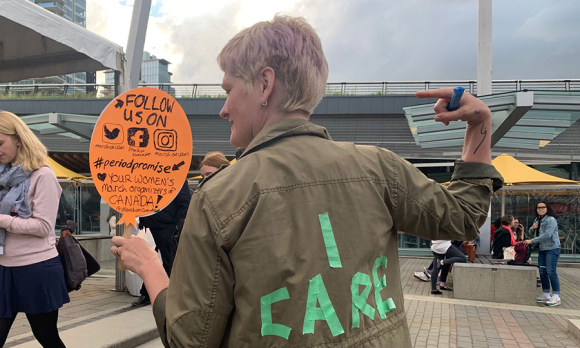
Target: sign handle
x: 127, y: 232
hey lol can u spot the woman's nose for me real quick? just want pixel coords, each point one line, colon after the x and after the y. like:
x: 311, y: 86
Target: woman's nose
x: 224, y: 112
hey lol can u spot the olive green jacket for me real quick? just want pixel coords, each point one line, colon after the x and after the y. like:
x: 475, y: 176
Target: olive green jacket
x: 295, y: 245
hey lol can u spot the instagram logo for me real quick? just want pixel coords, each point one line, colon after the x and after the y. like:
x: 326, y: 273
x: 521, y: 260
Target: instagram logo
x: 165, y: 139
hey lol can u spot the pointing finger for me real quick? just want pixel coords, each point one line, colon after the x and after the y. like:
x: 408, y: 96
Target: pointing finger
x: 436, y: 93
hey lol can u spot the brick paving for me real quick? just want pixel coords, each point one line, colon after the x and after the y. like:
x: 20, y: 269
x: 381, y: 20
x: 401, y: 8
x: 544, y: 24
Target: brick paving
x: 96, y: 296
x: 441, y: 321
x: 434, y: 321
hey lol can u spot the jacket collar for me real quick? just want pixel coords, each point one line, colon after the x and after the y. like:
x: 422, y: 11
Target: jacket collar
x: 283, y: 129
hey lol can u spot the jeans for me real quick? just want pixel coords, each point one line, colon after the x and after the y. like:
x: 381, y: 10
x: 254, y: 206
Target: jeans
x: 547, y: 261
x: 453, y: 255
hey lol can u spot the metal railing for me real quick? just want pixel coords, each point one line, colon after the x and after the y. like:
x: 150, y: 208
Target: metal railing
x: 202, y: 90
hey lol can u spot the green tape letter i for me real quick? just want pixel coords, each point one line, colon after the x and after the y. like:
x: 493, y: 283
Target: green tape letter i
x: 326, y: 312
x: 382, y: 306
x: 329, y: 242
x: 269, y: 329
x: 359, y: 302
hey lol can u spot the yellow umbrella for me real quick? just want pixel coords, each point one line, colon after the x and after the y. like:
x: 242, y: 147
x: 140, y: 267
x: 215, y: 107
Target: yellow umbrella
x: 62, y: 172
x: 515, y: 172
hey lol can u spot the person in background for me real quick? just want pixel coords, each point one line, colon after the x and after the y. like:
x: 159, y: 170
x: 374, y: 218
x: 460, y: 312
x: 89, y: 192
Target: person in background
x: 273, y: 244
x: 519, y: 230
x: 425, y: 275
x: 504, y: 236
x: 212, y: 163
x: 549, y: 241
x: 445, y: 254
x: 112, y: 221
x: 165, y: 227
x: 31, y: 273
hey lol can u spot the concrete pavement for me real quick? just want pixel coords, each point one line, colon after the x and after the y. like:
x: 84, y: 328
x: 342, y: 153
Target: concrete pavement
x: 100, y: 317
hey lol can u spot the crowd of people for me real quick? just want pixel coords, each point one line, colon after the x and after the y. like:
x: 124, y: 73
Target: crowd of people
x: 274, y: 249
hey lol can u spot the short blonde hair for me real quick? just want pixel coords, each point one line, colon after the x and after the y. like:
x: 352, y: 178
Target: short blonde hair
x: 291, y: 47
x: 31, y: 154
x: 214, y: 159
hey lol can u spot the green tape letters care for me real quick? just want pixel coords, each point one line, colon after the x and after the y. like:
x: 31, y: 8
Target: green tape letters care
x: 266, y: 310
x: 329, y: 242
x: 359, y: 302
x: 382, y: 306
x: 326, y: 312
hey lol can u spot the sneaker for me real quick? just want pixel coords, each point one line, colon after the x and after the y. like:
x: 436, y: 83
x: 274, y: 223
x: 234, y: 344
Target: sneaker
x: 427, y: 273
x: 542, y: 299
x: 421, y: 276
x: 553, y: 302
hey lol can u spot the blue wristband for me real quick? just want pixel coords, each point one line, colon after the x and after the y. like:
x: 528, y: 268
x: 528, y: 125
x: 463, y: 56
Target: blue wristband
x: 455, y: 99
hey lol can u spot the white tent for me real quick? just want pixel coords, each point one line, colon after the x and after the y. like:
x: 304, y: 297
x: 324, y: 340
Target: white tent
x: 35, y: 42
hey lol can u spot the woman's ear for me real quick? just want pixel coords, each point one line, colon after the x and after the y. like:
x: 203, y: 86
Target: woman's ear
x: 267, y: 79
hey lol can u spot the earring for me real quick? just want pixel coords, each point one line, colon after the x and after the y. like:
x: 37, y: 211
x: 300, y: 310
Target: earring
x: 264, y: 104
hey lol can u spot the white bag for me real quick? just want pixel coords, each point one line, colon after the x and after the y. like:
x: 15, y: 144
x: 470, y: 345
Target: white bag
x: 509, y: 253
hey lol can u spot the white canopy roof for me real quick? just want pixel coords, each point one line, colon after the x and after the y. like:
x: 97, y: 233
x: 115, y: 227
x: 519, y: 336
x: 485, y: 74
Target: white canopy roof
x: 35, y: 42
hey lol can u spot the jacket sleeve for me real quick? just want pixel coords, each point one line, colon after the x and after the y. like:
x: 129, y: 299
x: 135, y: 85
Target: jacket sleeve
x: 44, y: 203
x: 199, y: 299
x: 550, y: 228
x: 426, y: 209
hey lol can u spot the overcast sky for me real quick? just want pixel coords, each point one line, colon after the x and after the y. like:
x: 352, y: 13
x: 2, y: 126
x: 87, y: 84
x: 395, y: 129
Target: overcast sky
x: 364, y: 40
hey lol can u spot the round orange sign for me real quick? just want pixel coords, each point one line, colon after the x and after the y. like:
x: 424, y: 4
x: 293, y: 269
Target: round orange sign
x: 140, y: 152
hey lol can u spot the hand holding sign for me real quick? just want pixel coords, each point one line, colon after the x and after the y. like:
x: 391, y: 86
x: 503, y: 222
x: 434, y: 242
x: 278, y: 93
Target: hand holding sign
x: 140, y: 153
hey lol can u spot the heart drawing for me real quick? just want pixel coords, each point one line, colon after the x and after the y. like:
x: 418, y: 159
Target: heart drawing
x: 101, y: 176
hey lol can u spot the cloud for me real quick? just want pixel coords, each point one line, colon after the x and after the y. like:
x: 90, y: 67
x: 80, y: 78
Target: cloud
x: 197, y: 41
x: 556, y: 23
x: 365, y: 40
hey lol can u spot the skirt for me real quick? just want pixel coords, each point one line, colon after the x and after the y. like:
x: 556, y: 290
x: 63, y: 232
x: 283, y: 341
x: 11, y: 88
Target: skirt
x: 33, y: 289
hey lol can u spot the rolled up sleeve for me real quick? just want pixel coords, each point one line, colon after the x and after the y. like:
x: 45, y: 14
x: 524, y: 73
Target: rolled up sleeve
x: 428, y: 210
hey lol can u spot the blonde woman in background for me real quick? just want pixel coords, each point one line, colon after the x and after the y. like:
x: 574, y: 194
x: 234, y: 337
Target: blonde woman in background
x: 31, y: 273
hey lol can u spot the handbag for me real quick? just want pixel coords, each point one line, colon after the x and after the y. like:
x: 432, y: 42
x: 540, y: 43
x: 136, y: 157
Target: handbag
x: 77, y: 263
x: 470, y: 250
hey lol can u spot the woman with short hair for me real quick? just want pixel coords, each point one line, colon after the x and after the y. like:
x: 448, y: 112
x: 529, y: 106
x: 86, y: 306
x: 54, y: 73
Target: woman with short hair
x: 31, y: 273
x: 549, y: 241
x: 284, y: 247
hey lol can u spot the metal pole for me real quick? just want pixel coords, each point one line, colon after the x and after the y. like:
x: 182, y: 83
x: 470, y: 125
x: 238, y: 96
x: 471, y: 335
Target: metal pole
x: 502, y: 202
x: 484, y: 47
x: 119, y: 275
x: 135, y: 43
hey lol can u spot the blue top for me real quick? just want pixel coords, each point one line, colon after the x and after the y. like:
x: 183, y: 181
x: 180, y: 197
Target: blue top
x: 548, y: 238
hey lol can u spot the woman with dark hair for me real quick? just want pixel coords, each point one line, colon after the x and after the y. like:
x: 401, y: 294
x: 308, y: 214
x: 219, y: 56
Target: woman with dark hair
x: 503, y: 237
x: 519, y: 230
x: 549, y: 253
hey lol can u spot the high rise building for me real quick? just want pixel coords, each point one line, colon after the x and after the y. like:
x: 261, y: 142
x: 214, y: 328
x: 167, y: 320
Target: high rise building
x: 153, y: 70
